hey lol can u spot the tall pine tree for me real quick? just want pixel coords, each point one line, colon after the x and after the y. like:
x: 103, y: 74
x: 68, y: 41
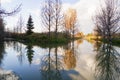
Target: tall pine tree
x: 30, y: 26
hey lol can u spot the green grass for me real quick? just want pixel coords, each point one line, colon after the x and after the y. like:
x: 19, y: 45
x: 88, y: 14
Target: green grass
x: 115, y: 41
x: 42, y: 39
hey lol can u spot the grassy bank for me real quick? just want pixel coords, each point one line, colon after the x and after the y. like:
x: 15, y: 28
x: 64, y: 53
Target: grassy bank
x: 115, y: 41
x: 42, y: 39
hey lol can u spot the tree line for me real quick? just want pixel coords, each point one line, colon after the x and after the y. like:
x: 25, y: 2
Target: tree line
x: 53, y: 19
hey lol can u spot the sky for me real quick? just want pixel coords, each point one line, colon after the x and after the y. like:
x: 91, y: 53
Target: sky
x: 85, y: 11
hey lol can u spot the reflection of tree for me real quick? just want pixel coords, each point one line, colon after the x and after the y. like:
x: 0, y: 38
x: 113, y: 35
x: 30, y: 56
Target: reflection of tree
x: 51, y: 66
x: 2, y: 51
x: 79, y: 41
x: 108, y: 63
x: 18, y: 47
x: 69, y: 58
x: 30, y: 53
x: 97, y: 45
x: 8, y: 75
x: 20, y: 57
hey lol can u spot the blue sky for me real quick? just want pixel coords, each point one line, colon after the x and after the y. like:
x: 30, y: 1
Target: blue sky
x: 33, y: 7
x: 28, y: 5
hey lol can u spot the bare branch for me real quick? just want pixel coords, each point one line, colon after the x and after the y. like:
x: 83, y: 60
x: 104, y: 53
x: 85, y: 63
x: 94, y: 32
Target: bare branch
x: 6, y: 13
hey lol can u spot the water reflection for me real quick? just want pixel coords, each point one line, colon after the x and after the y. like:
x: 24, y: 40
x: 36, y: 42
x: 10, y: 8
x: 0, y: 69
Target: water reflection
x: 30, y: 53
x: 59, y: 65
x: 51, y: 66
x: 69, y: 57
x: 2, y: 51
x: 21, y: 50
x: 70, y: 62
x: 107, y: 63
x: 8, y: 75
x: 18, y: 47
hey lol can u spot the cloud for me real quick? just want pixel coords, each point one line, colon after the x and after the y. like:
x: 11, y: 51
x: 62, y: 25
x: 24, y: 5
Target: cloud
x: 85, y: 11
x: 6, y: 1
x: 65, y: 6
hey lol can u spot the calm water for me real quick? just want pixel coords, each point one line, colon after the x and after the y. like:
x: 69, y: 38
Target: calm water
x: 79, y: 60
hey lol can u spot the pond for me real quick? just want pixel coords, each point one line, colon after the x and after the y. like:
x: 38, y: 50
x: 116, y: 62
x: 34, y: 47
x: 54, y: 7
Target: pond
x: 79, y: 60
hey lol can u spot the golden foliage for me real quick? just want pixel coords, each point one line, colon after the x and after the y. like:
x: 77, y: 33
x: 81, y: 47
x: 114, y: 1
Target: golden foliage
x: 70, y: 59
x: 70, y: 18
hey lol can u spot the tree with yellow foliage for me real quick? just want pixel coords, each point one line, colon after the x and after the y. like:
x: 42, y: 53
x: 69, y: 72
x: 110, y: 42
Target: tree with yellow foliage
x: 70, y: 18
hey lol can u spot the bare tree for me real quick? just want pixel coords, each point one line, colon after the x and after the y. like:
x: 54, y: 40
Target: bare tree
x: 15, y: 29
x: 20, y: 24
x: 48, y: 15
x: 58, y: 16
x: 107, y: 19
x: 3, y: 12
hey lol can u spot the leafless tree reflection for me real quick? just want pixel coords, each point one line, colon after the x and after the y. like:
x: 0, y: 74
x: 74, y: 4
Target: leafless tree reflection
x: 107, y: 63
x: 51, y: 66
x: 107, y: 19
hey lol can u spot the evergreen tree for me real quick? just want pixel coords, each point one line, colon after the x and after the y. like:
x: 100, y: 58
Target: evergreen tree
x: 30, y: 26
